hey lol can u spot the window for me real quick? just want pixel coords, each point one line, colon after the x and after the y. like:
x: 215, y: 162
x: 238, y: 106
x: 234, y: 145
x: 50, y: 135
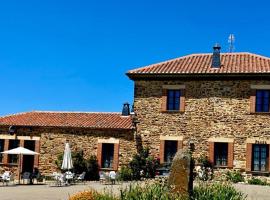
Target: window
x: 173, y: 99
x: 262, y: 100
x: 107, y: 155
x: 170, y: 150
x: 2, y: 143
x: 13, y: 158
x: 260, y: 157
x: 220, y: 154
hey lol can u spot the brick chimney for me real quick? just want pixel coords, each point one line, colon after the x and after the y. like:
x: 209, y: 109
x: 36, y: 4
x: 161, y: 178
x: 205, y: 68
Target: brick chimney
x: 216, y: 62
x: 126, y: 110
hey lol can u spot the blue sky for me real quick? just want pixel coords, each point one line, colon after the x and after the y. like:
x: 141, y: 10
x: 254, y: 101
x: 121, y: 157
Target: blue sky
x: 73, y: 55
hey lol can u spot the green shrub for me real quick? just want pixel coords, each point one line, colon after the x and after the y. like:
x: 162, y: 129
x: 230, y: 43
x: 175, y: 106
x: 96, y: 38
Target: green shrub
x: 143, y: 165
x: 80, y: 165
x: 59, y: 160
x: 77, y: 159
x: 151, y: 165
x: 257, y: 181
x: 204, y: 161
x: 92, y: 170
x: 235, y: 176
x: 216, y: 191
x: 204, y: 170
x: 125, y: 173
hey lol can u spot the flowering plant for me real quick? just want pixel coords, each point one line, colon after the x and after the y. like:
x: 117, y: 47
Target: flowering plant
x: 204, y: 173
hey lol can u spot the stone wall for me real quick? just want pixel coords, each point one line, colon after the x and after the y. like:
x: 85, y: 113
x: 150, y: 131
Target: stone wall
x: 52, y: 141
x: 213, y: 108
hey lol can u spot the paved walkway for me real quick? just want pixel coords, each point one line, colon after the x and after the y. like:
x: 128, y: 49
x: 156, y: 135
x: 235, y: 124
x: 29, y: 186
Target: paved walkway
x: 254, y: 192
x: 46, y: 192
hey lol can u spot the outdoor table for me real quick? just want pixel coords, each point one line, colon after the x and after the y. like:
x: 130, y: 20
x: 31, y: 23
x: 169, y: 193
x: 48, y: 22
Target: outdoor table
x: 69, y: 176
x: 52, y: 177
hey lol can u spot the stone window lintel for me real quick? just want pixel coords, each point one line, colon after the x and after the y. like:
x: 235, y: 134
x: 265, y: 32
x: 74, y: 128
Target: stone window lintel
x: 260, y: 87
x: 257, y: 141
x: 174, y: 87
x: 13, y: 137
x: 221, y: 139
x: 110, y: 140
x: 177, y: 138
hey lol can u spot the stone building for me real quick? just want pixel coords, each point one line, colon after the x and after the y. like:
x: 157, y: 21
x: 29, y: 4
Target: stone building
x: 109, y: 136
x: 219, y: 102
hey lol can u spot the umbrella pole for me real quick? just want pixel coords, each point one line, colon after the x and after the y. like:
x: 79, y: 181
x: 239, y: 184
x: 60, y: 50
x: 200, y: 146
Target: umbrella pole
x: 20, y: 169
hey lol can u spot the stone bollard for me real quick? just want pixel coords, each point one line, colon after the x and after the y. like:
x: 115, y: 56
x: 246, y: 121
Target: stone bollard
x: 181, y: 174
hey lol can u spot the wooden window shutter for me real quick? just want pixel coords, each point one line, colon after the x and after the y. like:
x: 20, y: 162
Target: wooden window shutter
x: 253, y: 101
x: 115, y: 156
x: 269, y: 158
x: 248, y: 157
x: 5, y: 156
x: 230, y: 154
x: 182, y: 101
x: 161, y: 151
x: 36, y: 157
x: 211, y: 152
x: 179, y: 145
x: 164, y: 100
x: 99, y: 154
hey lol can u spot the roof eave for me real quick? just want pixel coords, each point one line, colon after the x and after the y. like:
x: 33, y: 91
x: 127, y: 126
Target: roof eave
x: 151, y: 76
x: 82, y: 127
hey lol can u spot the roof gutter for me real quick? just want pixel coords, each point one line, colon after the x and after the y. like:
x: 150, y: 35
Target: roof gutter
x: 207, y: 76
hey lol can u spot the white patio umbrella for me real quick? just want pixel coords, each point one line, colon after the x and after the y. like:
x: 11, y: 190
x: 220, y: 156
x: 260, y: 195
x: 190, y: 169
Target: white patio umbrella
x: 67, y: 159
x: 20, y: 151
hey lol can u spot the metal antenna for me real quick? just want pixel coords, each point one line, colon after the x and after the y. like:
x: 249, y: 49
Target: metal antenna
x: 231, y: 41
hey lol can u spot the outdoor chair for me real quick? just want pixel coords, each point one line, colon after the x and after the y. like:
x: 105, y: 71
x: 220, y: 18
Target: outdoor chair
x: 102, y: 177
x: 112, y: 177
x: 81, y: 178
x: 117, y: 177
x: 4, y: 176
x: 7, y: 178
x: 26, y: 176
x: 37, y: 176
x: 107, y: 178
x: 60, y: 179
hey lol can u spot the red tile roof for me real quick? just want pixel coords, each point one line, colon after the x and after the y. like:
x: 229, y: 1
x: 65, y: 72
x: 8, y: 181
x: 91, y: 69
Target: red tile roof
x: 69, y: 119
x: 200, y: 64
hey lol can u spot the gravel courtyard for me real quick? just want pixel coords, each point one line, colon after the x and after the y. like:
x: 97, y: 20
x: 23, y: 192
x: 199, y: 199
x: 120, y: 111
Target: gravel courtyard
x: 46, y: 192
x: 254, y: 192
